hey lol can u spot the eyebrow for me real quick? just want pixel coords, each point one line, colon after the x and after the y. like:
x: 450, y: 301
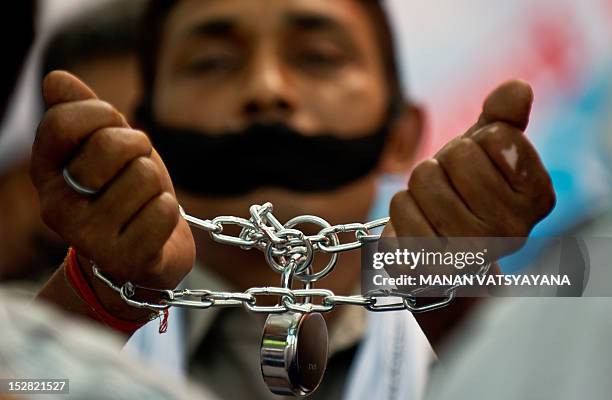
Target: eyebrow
x: 314, y: 22
x: 214, y: 27
x: 224, y: 26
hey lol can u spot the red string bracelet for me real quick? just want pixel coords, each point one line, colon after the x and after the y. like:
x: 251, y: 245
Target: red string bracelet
x: 79, y: 283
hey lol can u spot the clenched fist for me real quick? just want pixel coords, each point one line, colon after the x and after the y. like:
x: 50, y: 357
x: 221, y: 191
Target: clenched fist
x: 131, y: 228
x: 487, y: 182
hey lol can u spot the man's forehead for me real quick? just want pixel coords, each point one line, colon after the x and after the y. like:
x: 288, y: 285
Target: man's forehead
x: 217, y: 17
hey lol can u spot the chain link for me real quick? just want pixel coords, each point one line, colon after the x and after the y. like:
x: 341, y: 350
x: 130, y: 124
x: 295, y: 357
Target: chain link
x: 287, y: 251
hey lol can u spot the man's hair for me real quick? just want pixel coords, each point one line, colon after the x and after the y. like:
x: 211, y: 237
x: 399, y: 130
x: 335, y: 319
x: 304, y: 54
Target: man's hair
x: 152, y: 29
x: 107, y: 30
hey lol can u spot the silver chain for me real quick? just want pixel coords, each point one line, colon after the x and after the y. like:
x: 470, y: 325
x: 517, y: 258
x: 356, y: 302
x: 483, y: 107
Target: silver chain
x: 290, y: 252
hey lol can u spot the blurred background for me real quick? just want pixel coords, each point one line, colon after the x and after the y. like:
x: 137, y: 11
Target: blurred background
x: 453, y: 53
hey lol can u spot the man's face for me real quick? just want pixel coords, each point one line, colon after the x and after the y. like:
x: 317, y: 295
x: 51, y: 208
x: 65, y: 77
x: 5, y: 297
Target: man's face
x: 312, y: 64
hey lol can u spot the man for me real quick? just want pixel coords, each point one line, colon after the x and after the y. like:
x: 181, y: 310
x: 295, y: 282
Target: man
x: 242, y: 100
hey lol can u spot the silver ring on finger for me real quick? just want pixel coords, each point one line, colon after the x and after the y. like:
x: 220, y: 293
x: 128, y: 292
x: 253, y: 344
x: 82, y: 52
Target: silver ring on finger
x: 76, y: 186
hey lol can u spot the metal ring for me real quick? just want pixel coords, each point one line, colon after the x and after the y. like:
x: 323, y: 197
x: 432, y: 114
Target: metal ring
x: 77, y: 187
x: 298, y: 241
x: 313, y: 219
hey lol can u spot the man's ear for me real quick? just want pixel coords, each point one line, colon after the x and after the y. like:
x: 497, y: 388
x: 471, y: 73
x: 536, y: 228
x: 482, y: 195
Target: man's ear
x: 403, y: 141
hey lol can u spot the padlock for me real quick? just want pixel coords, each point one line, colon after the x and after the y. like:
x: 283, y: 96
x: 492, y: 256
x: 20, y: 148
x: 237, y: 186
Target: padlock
x: 294, y: 352
x: 294, y: 347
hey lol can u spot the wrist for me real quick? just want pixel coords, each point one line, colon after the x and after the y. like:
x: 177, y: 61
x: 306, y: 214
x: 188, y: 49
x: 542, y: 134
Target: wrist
x: 106, y: 305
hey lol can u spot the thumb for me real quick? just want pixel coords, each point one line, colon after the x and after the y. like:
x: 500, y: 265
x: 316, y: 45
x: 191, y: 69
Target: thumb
x: 61, y: 86
x: 510, y: 103
x: 67, y: 123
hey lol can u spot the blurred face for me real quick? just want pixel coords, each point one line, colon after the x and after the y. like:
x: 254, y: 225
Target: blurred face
x: 114, y: 79
x: 311, y: 64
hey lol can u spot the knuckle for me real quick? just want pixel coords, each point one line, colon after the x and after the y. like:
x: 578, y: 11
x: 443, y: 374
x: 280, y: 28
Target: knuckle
x: 167, y: 207
x: 147, y: 174
x: 458, y: 153
x: 462, y: 150
x: 128, y: 142
x: 143, y: 140
x: 446, y: 147
x: 403, y: 211
x: 110, y: 112
x: 398, y: 202
x: 423, y: 173
x: 102, y: 141
x: 133, y: 143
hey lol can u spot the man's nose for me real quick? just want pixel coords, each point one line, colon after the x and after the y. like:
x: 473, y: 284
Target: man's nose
x: 268, y: 93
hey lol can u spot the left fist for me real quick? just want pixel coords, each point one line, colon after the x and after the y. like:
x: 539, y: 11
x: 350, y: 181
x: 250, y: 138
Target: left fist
x: 489, y: 181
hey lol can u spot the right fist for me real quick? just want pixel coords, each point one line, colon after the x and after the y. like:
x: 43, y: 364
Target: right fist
x: 131, y: 228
